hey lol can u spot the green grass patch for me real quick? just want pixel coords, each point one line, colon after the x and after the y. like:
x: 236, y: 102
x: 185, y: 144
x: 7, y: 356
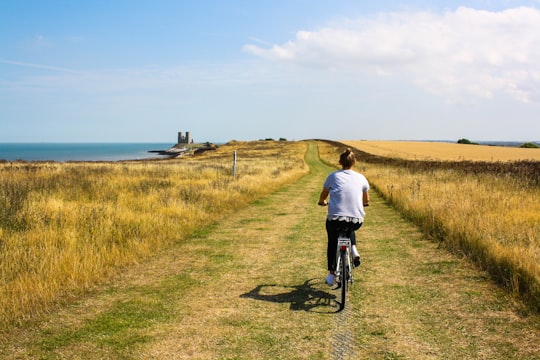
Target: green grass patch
x: 124, y: 324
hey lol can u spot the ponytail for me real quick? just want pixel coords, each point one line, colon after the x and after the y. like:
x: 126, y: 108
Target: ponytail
x: 347, y: 159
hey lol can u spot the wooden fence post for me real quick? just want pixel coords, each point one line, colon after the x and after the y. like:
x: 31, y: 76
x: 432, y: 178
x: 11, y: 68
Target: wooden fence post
x: 234, y: 163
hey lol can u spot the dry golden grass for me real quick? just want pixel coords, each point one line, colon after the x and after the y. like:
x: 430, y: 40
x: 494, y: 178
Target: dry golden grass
x: 494, y: 220
x: 495, y: 223
x: 412, y: 150
x: 66, y: 226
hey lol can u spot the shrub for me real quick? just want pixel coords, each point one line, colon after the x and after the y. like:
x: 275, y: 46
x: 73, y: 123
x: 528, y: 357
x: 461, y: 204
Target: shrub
x: 466, y: 141
x: 529, y: 145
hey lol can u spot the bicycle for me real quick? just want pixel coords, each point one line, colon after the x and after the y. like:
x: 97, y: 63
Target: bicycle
x: 344, y: 255
x: 344, y: 261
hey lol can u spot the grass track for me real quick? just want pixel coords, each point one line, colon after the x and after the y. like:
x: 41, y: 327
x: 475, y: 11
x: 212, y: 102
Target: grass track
x: 252, y: 287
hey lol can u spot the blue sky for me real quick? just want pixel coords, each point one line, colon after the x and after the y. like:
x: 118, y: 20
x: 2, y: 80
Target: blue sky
x: 140, y: 71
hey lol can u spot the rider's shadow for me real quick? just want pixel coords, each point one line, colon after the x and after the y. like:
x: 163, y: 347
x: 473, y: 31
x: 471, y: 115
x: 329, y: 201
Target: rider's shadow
x: 306, y: 297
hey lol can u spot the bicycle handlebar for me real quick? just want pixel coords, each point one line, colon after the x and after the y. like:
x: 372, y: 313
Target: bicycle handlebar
x: 326, y: 204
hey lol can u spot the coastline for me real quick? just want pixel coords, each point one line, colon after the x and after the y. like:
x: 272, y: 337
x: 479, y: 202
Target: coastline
x: 63, y: 152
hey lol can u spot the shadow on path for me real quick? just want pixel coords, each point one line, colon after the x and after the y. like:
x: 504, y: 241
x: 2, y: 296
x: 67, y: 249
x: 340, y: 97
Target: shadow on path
x: 307, y: 296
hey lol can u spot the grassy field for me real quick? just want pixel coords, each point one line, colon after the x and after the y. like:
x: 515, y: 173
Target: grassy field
x: 252, y: 286
x: 491, y: 217
x: 417, y: 150
x: 66, y: 226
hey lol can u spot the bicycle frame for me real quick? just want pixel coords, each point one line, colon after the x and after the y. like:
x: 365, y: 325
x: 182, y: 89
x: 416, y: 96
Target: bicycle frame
x: 344, y: 266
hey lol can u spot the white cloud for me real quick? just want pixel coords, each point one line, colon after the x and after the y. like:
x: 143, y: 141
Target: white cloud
x: 458, y: 54
x: 41, y: 41
x: 39, y: 66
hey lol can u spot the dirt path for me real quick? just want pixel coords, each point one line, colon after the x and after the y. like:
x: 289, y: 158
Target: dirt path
x: 252, y: 288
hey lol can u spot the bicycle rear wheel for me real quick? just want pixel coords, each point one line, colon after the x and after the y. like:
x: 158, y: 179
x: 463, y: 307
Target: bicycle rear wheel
x: 344, y: 278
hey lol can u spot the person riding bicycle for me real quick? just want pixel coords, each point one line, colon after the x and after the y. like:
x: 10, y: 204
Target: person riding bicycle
x: 348, y: 191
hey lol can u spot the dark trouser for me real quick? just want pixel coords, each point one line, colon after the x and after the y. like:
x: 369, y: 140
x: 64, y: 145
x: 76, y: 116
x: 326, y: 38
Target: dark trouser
x: 332, y: 229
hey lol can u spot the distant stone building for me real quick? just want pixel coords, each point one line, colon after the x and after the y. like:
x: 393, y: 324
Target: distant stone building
x: 184, y: 139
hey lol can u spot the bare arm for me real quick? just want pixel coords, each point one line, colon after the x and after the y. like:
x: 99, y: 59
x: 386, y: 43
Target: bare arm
x: 365, y: 198
x: 323, y: 196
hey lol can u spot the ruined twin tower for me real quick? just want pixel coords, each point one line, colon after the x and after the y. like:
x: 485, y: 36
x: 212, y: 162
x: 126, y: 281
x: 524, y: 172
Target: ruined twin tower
x: 184, y: 139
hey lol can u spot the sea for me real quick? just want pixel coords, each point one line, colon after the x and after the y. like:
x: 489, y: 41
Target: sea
x: 63, y: 152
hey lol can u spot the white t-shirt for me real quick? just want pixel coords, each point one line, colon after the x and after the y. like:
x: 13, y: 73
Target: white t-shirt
x: 346, y: 189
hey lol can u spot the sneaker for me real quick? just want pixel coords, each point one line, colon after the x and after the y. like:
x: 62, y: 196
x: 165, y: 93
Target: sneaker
x: 356, y: 256
x: 330, y: 279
